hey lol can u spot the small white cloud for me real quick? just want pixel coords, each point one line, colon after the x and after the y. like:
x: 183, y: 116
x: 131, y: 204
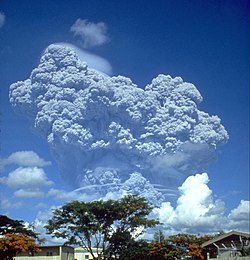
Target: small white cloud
x: 239, y: 217
x: 22, y: 193
x: 42, y: 205
x: 5, y: 203
x: 92, y: 34
x: 71, y: 195
x: 28, y: 177
x: 242, y: 212
x: 2, y: 19
x: 61, y: 194
x: 24, y: 158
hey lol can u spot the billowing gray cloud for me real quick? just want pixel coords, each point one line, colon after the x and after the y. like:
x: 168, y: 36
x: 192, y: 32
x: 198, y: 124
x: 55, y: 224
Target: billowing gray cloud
x: 94, y: 61
x: 102, y: 130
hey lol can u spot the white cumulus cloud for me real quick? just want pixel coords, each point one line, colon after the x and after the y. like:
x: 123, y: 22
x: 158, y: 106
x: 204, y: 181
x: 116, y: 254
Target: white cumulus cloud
x: 29, y: 193
x: 24, y: 158
x: 195, y: 209
x: 91, y: 34
x: 27, y: 177
x: 239, y: 218
x: 242, y: 212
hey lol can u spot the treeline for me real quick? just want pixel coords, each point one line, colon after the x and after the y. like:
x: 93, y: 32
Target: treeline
x: 111, y: 227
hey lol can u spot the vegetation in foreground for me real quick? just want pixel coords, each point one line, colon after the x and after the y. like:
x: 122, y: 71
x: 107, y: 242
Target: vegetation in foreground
x: 112, y: 226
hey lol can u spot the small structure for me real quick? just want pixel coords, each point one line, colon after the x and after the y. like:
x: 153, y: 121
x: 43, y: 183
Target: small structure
x: 229, y: 246
x: 83, y: 254
x: 56, y: 252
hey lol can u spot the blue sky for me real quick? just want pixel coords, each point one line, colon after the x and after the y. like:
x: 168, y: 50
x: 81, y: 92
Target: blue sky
x: 204, y: 42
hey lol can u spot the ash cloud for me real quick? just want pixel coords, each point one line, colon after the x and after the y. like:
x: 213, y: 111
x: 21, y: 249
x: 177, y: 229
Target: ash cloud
x: 106, y: 131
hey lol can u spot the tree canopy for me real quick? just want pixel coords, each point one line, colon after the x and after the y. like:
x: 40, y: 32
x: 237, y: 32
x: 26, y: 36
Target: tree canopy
x: 12, y: 244
x: 8, y: 225
x: 109, y: 226
x: 190, y: 244
x: 15, y: 238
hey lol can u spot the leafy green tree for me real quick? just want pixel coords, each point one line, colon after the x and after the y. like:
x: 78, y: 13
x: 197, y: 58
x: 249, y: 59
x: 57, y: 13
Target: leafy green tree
x: 106, y: 225
x: 8, y: 225
x: 136, y: 250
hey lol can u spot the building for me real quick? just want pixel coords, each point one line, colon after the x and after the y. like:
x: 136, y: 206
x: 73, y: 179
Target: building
x: 83, y: 254
x: 228, y: 246
x: 57, y: 252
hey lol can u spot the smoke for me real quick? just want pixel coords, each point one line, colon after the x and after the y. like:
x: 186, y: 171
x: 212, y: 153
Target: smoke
x: 99, y: 63
x: 107, y: 132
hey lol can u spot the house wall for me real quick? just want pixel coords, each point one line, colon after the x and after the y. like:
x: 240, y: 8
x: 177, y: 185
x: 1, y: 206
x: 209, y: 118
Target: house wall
x: 67, y: 253
x: 49, y: 253
x: 82, y: 254
x: 37, y: 258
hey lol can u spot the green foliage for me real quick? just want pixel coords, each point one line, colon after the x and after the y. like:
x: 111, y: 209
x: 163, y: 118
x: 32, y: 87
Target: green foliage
x: 109, y: 225
x: 8, y: 225
x: 136, y: 250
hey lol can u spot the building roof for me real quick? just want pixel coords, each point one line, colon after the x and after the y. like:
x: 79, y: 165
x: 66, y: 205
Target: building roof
x: 216, y: 239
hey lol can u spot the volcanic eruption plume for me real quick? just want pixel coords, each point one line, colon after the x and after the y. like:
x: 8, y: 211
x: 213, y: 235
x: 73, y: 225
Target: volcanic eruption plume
x: 107, y: 134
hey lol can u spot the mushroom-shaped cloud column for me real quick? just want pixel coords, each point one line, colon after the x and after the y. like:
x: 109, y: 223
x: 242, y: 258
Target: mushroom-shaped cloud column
x: 106, y: 131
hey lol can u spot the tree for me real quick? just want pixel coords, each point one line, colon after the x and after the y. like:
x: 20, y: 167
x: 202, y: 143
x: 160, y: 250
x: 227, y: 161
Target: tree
x: 15, y: 238
x: 136, y: 250
x: 12, y: 244
x: 161, y: 248
x: 8, y: 225
x: 159, y: 237
x: 157, y: 251
x: 196, y: 251
x: 108, y: 225
x: 190, y: 244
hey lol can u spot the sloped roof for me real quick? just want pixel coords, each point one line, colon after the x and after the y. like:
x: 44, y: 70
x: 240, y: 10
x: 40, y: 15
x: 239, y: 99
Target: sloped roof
x: 216, y: 239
